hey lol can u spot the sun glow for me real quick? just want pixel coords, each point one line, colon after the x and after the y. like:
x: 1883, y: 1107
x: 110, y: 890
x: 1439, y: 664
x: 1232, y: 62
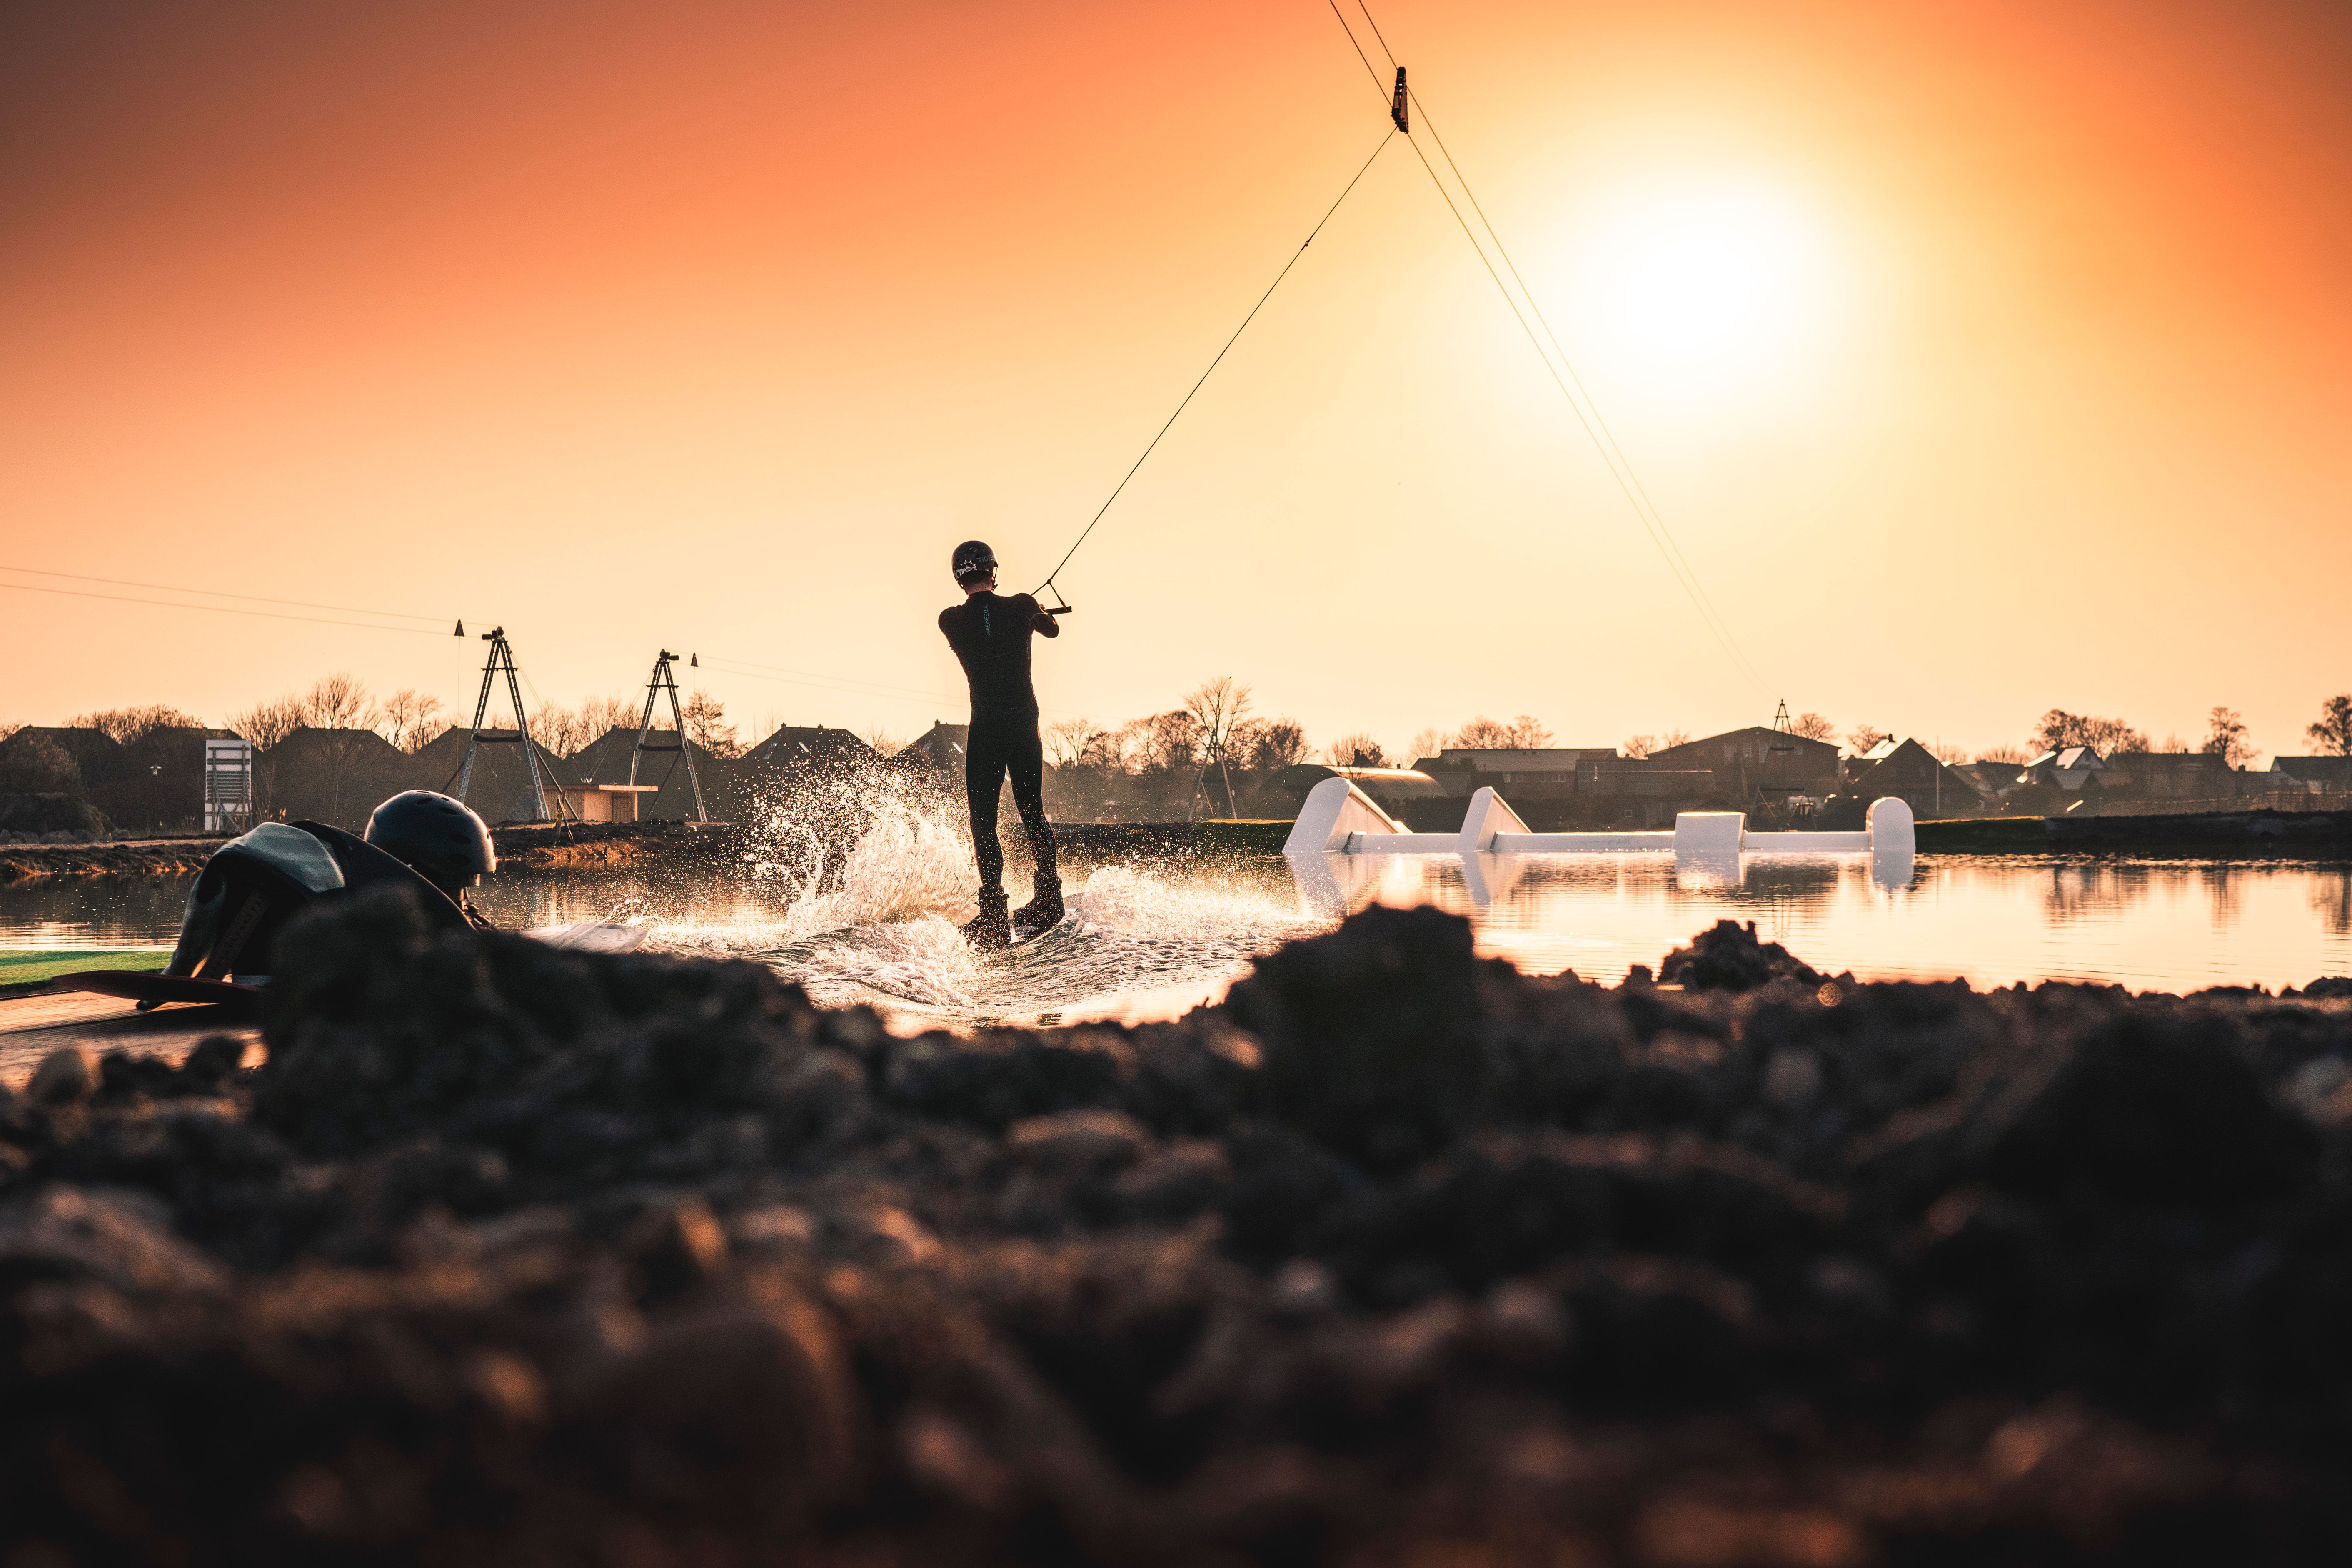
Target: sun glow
x: 1697, y: 283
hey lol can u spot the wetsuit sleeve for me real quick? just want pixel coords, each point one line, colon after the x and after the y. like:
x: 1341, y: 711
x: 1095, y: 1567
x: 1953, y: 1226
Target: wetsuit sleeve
x: 1040, y: 622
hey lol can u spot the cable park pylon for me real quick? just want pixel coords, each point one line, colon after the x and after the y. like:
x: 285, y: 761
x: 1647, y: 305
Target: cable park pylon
x: 664, y: 679
x: 503, y: 662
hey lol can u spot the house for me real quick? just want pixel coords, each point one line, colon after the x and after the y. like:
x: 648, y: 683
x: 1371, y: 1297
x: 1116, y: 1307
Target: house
x: 2169, y: 775
x: 1911, y: 773
x: 1992, y: 781
x: 500, y: 788
x: 2320, y: 776
x: 662, y: 790
x: 154, y: 784
x: 938, y: 750
x: 1531, y: 772
x: 331, y: 776
x: 1759, y: 761
x: 795, y: 759
x: 2069, y: 768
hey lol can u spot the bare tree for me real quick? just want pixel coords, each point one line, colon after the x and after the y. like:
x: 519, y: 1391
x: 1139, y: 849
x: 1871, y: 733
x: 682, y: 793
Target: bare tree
x: 2171, y: 745
x: 885, y: 743
x: 1528, y: 732
x: 1814, y: 727
x: 1356, y: 750
x: 1278, y: 743
x: 1110, y: 750
x: 1674, y: 738
x: 1218, y: 706
x: 1640, y: 746
x: 1483, y: 735
x: 2060, y: 730
x: 411, y: 720
x: 553, y: 725
x: 1431, y: 743
x: 1863, y: 737
x: 600, y: 716
x: 2334, y: 730
x: 1066, y: 741
x: 2225, y: 737
x: 2006, y: 756
x: 706, y: 726
x: 338, y: 701
x: 128, y: 726
x: 265, y: 725
x: 9, y: 727
x: 1947, y: 754
x: 1168, y: 742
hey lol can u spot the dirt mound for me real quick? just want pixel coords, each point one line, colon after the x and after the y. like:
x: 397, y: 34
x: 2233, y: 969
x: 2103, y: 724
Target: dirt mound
x: 515, y: 1255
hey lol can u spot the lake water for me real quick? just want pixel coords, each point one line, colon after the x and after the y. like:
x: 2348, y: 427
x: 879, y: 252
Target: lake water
x: 1152, y: 940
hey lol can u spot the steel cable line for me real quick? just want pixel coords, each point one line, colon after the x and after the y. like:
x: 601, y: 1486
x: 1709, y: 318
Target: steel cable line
x: 846, y: 686
x: 1219, y: 359
x: 219, y: 609
x: 1545, y: 322
x: 221, y: 593
x: 1628, y: 481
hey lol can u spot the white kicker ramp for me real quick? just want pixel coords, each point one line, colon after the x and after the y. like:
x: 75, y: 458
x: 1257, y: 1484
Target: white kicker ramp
x: 1339, y: 819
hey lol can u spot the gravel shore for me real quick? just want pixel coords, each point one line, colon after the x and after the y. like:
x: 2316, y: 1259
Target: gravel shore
x: 510, y: 1255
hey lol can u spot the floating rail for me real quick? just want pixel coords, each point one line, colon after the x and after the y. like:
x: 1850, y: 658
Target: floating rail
x: 1339, y: 825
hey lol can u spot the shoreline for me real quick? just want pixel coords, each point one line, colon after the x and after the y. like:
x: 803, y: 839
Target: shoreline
x: 2264, y: 835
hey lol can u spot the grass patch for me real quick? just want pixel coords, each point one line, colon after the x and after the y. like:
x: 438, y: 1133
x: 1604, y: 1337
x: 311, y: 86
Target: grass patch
x: 23, y: 971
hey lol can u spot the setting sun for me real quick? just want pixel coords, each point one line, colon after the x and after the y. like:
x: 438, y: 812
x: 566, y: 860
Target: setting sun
x: 1701, y: 282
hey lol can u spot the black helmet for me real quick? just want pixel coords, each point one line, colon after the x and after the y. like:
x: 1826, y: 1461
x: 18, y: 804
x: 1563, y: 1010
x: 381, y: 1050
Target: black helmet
x: 440, y: 837
x: 973, y: 559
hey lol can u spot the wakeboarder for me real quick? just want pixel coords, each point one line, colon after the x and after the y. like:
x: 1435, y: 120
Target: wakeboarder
x: 990, y: 632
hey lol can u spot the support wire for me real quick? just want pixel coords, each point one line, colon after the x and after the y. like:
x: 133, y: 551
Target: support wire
x: 1596, y: 428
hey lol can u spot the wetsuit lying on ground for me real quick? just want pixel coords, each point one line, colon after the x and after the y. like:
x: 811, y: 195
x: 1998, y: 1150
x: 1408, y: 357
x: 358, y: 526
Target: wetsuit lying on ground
x: 990, y: 632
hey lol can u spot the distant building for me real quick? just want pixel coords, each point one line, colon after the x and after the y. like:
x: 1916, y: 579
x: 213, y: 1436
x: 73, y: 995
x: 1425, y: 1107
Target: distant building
x: 500, y: 786
x: 1911, y: 773
x: 2069, y: 768
x: 797, y: 758
x: 2169, y: 775
x: 1519, y: 772
x: 334, y: 776
x: 663, y: 791
x: 2320, y: 776
x: 155, y: 784
x: 938, y: 748
x: 1757, y: 761
x: 1994, y: 781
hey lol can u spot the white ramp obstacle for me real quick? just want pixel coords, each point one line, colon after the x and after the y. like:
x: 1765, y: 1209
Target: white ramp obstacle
x: 1338, y: 820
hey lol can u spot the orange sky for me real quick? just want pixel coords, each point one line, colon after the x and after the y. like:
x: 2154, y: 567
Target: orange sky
x: 716, y: 326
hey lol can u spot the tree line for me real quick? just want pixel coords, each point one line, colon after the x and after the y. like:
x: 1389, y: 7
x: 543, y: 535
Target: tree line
x: 1212, y: 727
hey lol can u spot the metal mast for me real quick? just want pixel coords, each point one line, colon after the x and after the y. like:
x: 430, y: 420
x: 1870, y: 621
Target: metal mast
x: 664, y: 680
x: 501, y: 661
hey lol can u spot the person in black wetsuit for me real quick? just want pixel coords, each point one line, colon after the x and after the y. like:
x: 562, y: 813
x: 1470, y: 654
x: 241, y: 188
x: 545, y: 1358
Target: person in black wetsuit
x: 990, y: 632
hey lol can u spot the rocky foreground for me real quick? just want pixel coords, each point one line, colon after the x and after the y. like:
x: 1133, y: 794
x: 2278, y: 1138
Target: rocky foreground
x: 515, y: 1256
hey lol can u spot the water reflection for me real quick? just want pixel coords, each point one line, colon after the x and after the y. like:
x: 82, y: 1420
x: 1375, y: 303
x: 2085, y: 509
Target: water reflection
x: 1174, y: 934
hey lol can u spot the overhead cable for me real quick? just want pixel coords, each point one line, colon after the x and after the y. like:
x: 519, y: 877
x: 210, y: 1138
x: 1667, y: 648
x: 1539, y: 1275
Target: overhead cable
x: 1596, y: 429
x: 220, y: 593
x: 219, y: 609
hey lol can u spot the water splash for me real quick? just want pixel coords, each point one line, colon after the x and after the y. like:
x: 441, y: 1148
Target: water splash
x: 871, y: 916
